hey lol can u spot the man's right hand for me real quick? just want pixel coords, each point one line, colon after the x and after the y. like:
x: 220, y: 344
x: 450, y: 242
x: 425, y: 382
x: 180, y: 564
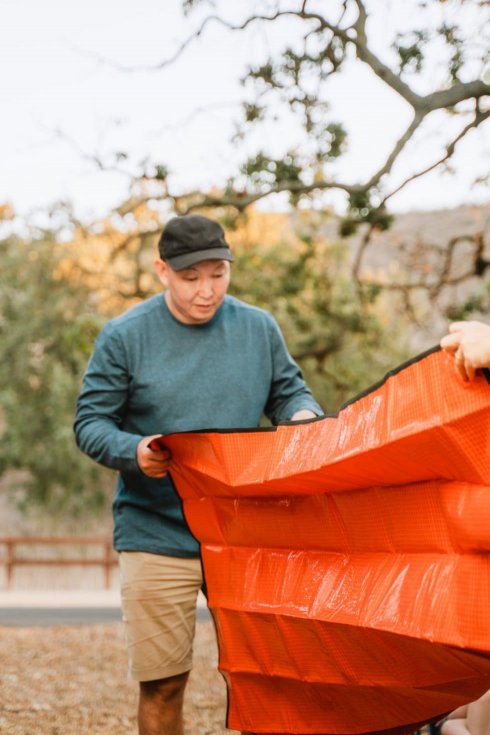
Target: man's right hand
x: 152, y: 462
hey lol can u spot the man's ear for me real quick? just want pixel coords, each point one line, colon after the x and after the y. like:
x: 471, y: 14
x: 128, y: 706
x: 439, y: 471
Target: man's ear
x: 161, y: 269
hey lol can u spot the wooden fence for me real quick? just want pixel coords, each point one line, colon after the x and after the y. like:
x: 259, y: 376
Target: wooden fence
x: 18, y: 551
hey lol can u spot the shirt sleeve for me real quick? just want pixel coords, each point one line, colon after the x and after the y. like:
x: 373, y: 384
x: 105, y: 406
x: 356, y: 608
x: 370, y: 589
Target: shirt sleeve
x: 102, y: 404
x: 289, y: 392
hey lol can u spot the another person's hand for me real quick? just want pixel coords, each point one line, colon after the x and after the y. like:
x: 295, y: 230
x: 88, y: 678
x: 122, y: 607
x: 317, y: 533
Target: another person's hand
x: 152, y: 462
x: 469, y: 342
x: 302, y: 414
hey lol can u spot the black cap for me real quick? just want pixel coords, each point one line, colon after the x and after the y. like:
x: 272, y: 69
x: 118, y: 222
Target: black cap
x: 190, y: 239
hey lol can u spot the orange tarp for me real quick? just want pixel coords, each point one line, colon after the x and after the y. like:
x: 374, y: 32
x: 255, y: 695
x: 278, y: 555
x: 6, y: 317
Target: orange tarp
x: 347, y: 559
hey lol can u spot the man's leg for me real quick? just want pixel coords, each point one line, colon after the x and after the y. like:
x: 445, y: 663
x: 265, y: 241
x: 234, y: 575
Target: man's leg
x: 160, y: 706
x: 158, y: 597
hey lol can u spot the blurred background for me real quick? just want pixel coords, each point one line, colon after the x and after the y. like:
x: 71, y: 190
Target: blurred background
x: 344, y: 146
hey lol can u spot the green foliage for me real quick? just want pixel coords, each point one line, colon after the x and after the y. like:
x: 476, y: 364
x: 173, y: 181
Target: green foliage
x: 264, y: 170
x: 47, y: 331
x: 348, y: 227
x: 189, y: 5
x: 336, y: 136
x: 264, y: 73
x: 450, y: 34
x: 409, y: 47
x: 360, y: 203
x: 341, y: 337
x: 161, y: 172
x: 477, y: 303
x: 436, y: 65
x: 362, y: 210
x: 253, y: 112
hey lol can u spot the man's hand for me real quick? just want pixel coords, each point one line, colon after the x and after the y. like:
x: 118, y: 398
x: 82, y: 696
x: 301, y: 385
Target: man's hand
x: 152, y: 462
x: 469, y: 342
x: 303, y: 413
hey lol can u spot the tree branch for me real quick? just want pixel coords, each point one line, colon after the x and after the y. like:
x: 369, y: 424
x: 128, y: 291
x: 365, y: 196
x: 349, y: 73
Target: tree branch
x: 443, y: 278
x: 242, y: 200
x: 378, y: 67
x: 366, y: 239
x: 397, y: 149
x: 450, y: 148
x: 168, y: 61
x: 455, y: 94
x: 421, y: 103
x: 196, y: 34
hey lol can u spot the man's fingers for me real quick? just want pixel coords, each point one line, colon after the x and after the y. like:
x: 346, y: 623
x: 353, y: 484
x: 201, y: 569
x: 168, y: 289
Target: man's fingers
x: 457, y: 326
x: 155, y: 466
x: 155, y: 445
x: 157, y: 473
x: 160, y: 452
x: 450, y: 342
x: 158, y: 459
x: 152, y: 457
x: 158, y: 449
x: 459, y: 362
x: 154, y: 462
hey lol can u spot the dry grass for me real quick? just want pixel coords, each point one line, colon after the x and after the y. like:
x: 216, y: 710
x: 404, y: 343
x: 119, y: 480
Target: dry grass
x: 72, y: 681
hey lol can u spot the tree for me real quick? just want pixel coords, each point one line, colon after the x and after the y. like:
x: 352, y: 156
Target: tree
x: 344, y: 341
x: 435, y: 67
x: 47, y: 328
x: 51, y: 311
x: 338, y: 319
x: 434, y: 63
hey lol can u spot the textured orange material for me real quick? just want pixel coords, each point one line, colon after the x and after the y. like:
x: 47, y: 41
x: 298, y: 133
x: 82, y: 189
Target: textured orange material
x: 347, y: 559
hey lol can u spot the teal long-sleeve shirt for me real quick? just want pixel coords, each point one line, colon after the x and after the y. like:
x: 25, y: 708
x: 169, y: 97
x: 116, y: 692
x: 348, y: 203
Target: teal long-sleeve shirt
x: 152, y: 374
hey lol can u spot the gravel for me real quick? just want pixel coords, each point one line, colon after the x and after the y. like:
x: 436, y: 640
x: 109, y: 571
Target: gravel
x: 71, y: 680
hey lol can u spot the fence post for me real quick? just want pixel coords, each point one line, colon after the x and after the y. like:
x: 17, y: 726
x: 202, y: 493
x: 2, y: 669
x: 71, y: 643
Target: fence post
x: 9, y: 561
x: 107, y: 563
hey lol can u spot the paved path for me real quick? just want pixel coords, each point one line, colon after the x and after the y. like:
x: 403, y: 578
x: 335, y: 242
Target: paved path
x: 65, y: 607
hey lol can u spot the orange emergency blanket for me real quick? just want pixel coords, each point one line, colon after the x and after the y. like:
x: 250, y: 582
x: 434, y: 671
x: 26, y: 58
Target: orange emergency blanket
x: 347, y: 559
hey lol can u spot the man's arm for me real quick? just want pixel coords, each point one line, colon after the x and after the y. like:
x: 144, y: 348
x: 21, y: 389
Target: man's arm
x: 290, y: 398
x: 100, y: 413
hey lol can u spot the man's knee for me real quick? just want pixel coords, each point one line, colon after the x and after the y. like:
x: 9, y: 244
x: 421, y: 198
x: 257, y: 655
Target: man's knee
x: 166, y: 690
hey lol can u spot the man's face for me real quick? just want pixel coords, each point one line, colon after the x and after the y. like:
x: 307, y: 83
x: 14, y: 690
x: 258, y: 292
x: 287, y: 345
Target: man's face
x: 195, y: 294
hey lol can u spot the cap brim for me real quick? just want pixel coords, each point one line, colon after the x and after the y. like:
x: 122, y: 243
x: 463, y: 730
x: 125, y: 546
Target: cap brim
x: 185, y: 261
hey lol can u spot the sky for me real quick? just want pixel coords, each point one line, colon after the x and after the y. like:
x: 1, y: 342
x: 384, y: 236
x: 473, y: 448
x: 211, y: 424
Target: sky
x: 64, y: 105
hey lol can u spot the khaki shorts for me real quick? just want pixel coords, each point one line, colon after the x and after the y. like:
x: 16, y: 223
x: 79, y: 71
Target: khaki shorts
x: 158, y: 596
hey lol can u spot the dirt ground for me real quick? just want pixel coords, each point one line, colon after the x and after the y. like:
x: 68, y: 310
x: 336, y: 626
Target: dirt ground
x: 67, y: 680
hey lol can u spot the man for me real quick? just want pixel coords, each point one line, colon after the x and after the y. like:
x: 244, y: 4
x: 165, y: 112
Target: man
x: 192, y: 358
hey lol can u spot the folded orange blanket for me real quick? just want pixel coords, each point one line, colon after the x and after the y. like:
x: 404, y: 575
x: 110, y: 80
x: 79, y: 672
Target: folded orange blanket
x: 347, y: 559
